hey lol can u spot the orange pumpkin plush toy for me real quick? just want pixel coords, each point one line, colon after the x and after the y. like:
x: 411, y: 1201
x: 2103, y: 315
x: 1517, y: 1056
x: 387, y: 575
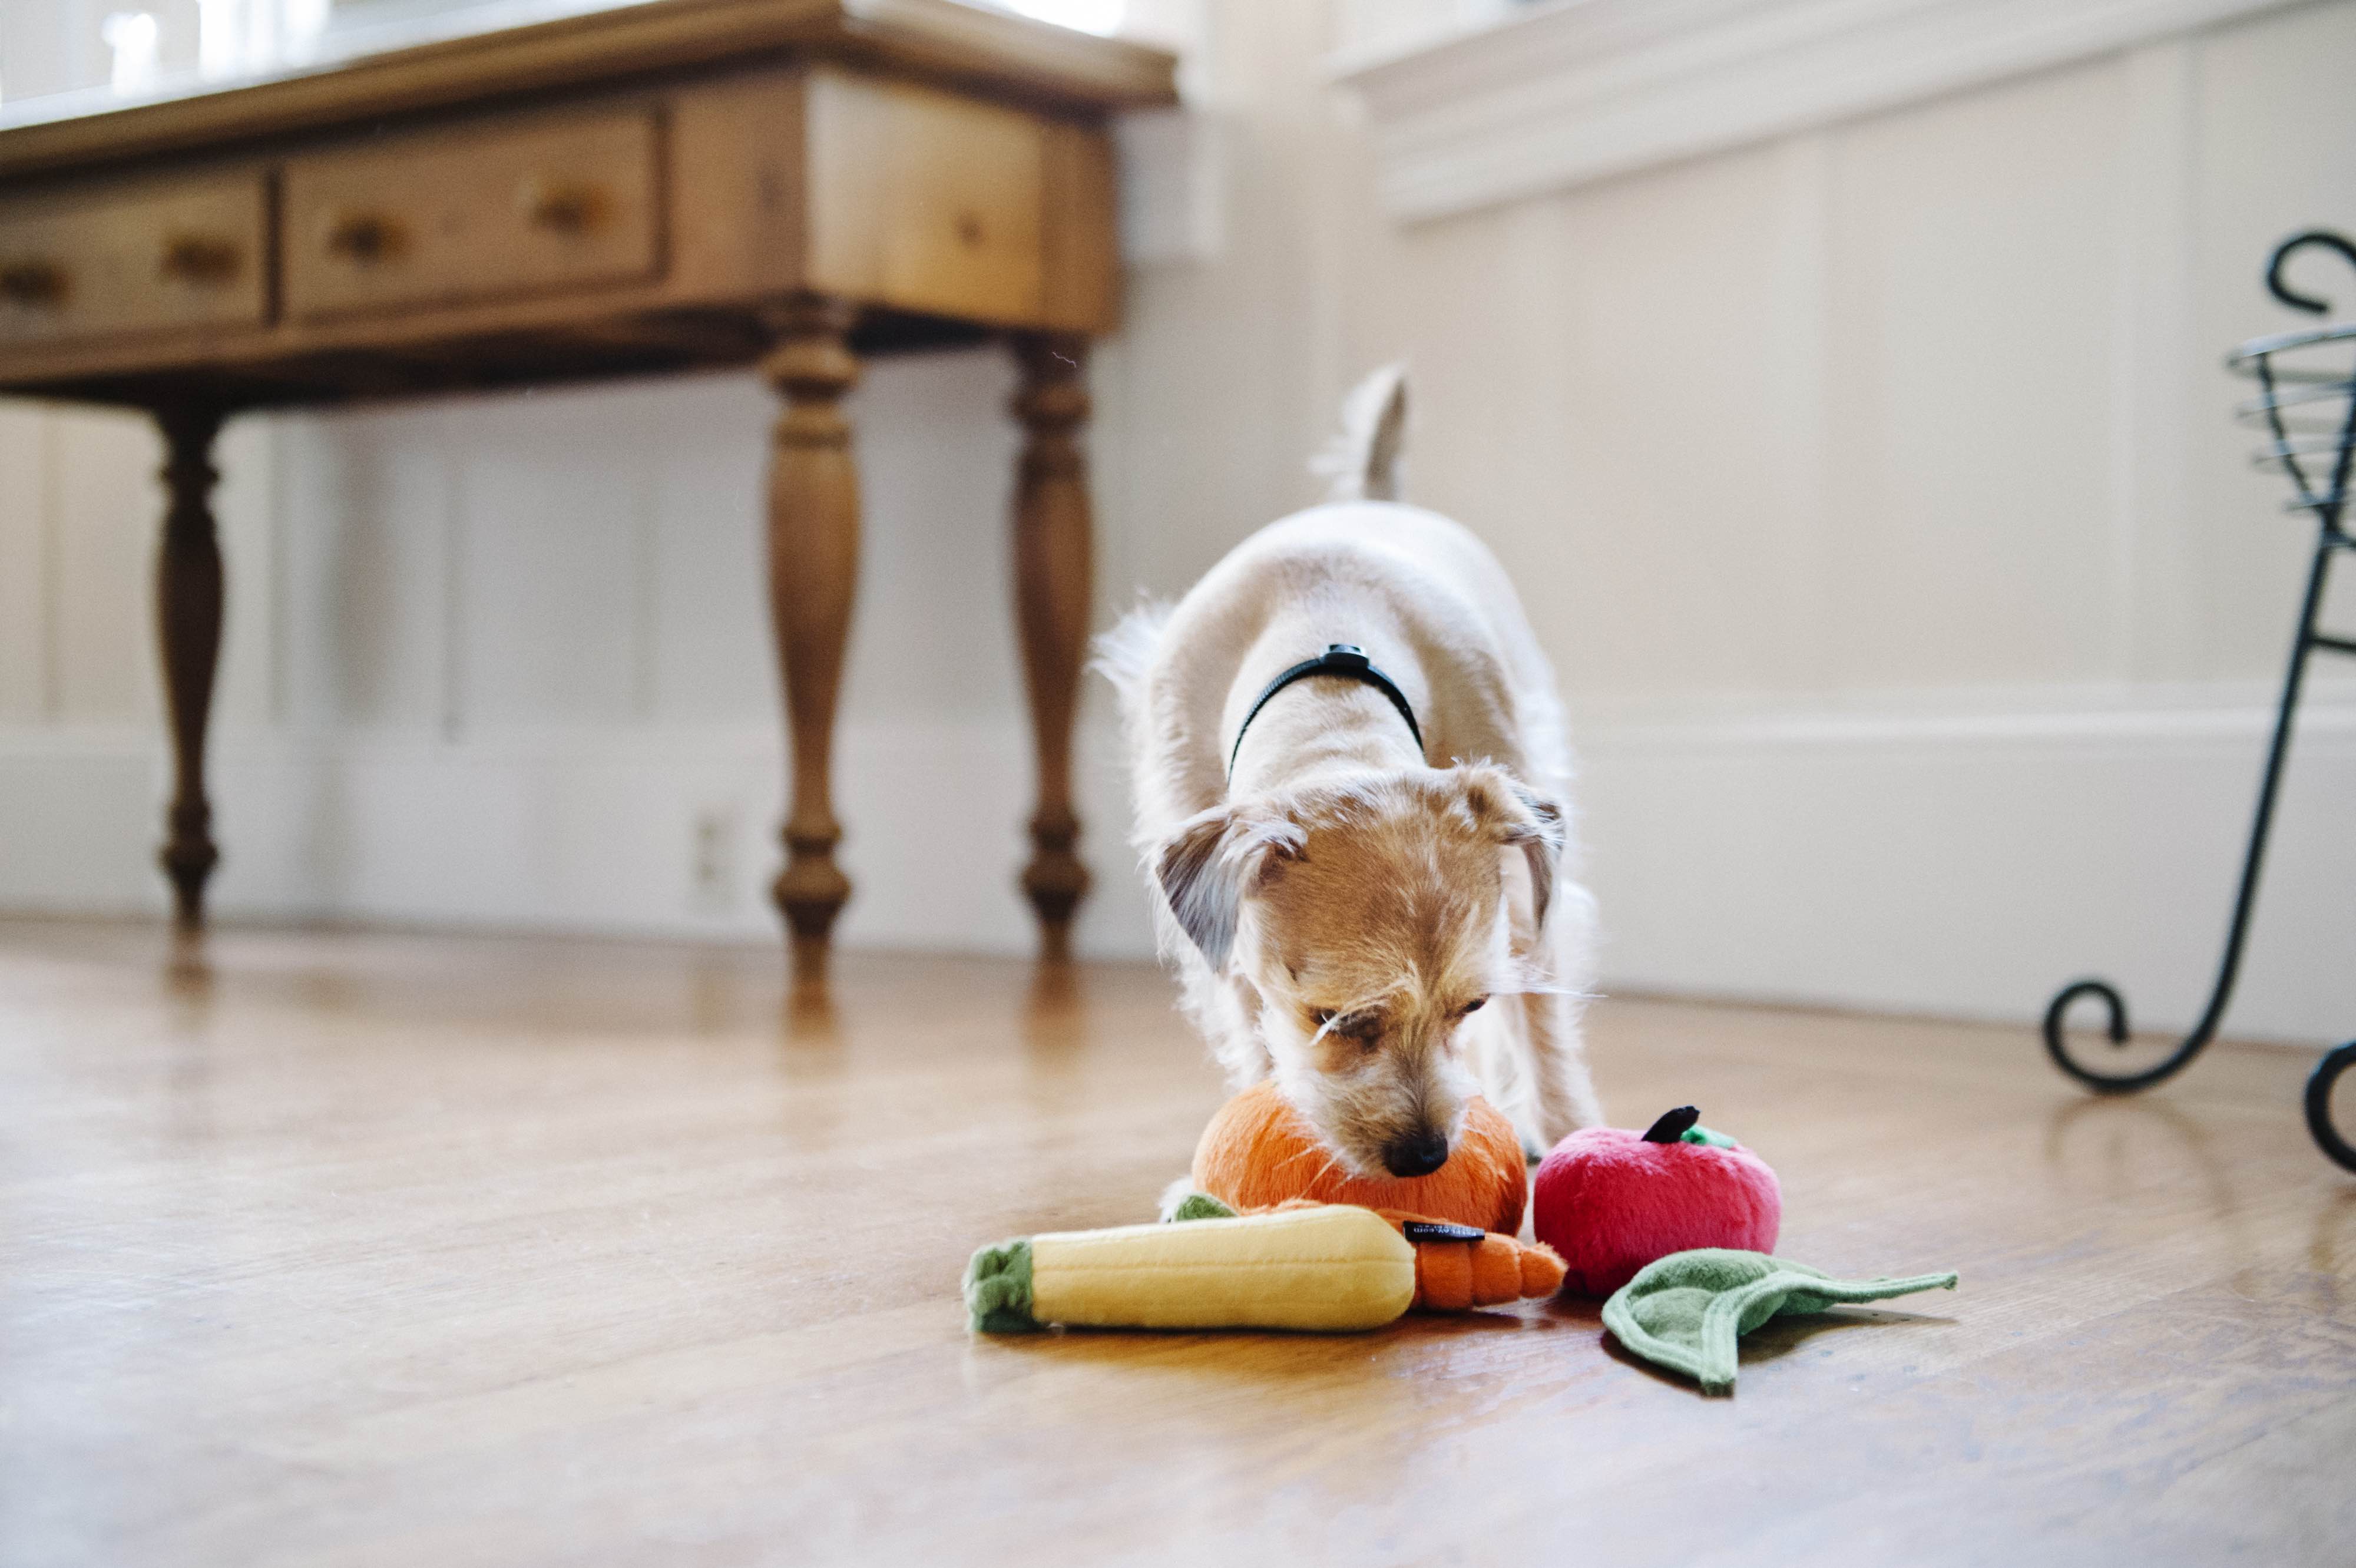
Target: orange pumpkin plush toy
x: 1259, y: 1152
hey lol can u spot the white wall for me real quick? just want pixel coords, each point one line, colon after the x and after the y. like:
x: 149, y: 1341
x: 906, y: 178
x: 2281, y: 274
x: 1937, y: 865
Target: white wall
x: 55, y: 45
x: 1872, y: 488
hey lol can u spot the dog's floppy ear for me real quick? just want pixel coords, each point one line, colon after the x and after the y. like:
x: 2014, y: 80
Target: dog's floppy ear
x: 1520, y: 817
x: 1214, y: 858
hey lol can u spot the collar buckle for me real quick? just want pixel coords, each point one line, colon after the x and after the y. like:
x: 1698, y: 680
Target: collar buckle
x: 1347, y: 661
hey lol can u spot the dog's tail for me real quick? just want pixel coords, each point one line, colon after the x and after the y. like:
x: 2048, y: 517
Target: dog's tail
x: 1364, y: 461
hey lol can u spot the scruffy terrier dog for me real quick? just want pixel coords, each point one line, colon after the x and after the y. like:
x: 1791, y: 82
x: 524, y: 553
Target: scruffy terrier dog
x: 1351, y: 766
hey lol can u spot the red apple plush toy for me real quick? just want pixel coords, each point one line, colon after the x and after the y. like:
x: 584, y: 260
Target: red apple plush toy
x: 1611, y: 1201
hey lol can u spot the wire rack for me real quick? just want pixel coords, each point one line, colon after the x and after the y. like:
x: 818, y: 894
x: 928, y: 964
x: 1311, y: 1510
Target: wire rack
x: 2305, y: 405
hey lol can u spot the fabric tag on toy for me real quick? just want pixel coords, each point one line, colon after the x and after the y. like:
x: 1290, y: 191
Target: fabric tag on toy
x: 1438, y: 1231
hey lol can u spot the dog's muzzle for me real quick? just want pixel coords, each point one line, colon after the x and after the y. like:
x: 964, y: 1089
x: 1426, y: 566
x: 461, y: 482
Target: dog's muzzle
x: 1419, y: 1153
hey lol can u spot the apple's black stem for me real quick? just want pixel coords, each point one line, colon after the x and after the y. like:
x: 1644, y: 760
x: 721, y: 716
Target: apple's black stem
x: 1673, y: 1125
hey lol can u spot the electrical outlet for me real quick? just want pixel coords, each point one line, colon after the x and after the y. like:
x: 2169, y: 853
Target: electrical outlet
x: 711, y: 869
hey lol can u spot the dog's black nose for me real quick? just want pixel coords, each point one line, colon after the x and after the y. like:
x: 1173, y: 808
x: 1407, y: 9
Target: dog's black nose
x: 1419, y: 1154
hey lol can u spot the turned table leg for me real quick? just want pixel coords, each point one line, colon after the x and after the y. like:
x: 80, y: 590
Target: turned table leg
x: 813, y: 568
x: 189, y: 631
x: 1051, y: 582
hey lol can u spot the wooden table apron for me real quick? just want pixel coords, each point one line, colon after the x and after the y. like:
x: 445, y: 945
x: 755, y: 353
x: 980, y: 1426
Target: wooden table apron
x: 789, y: 184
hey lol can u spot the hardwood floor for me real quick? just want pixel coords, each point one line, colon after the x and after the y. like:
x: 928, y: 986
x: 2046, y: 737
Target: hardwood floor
x: 399, y: 1250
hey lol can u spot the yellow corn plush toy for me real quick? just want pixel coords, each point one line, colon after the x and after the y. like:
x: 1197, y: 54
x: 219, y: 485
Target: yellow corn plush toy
x: 1330, y: 1267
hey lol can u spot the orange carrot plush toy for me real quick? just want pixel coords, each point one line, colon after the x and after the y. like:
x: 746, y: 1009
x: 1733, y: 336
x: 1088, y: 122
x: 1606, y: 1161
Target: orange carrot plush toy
x: 1457, y: 1267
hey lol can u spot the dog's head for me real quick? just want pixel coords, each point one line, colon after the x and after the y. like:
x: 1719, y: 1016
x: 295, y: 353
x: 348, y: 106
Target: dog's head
x: 1363, y: 923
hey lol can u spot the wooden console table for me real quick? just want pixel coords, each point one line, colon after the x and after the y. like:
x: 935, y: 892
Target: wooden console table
x: 667, y: 185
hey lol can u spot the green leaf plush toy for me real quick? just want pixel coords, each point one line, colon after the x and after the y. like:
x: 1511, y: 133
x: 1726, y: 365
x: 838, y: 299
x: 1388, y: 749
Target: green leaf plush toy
x: 1686, y: 1311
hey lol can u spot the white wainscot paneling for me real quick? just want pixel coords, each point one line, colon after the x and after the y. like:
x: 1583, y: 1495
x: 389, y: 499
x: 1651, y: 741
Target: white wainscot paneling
x: 103, y: 506
x: 366, y: 565
x: 23, y: 563
x: 1967, y: 424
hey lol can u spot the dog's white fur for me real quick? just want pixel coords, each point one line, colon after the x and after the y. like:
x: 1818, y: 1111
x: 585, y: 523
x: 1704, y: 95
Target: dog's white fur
x: 1336, y: 856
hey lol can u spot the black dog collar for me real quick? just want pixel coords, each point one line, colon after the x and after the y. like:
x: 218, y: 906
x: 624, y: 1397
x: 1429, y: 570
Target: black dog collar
x: 1342, y: 659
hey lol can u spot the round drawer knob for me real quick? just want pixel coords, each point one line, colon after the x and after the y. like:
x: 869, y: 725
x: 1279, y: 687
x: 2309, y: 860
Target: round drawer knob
x: 561, y: 206
x: 32, y: 283
x: 364, y: 237
x: 202, y: 260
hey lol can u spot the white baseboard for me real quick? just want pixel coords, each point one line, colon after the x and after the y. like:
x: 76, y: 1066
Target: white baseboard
x: 596, y: 831
x: 1968, y: 863
x: 1964, y: 861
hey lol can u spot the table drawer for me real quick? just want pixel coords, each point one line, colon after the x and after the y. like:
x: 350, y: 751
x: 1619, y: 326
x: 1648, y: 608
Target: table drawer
x: 191, y: 254
x: 924, y: 200
x: 443, y: 218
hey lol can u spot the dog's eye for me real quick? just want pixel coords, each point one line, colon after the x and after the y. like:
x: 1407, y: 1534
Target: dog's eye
x: 1472, y: 1006
x: 1365, y: 1028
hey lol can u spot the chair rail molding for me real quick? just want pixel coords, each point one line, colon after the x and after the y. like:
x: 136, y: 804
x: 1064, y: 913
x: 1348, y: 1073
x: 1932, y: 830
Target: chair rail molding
x: 1580, y: 90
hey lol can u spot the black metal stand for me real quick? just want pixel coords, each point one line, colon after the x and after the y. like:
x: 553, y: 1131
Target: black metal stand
x: 2288, y: 382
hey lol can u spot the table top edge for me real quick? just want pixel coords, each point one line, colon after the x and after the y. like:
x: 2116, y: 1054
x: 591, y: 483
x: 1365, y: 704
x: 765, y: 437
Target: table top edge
x: 1055, y: 67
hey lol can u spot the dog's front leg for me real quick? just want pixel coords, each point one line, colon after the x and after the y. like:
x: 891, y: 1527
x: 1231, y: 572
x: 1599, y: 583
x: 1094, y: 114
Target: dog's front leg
x: 1562, y: 1095
x: 1243, y: 1051
x: 1225, y: 1009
